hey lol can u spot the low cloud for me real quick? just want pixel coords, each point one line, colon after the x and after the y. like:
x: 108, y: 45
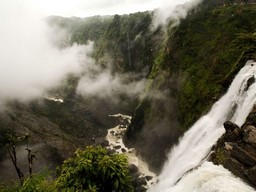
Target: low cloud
x: 103, y: 83
x: 31, y: 62
x: 35, y: 58
x: 173, y: 11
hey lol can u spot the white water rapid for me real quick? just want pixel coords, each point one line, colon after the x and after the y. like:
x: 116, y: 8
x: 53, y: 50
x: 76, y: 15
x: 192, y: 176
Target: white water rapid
x: 196, y: 143
x: 115, y: 139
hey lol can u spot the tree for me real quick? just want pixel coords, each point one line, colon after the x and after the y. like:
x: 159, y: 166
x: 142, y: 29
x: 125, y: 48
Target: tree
x: 94, y: 169
x: 13, y: 140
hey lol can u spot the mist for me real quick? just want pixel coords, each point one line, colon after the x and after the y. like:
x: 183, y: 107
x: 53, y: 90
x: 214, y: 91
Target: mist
x: 31, y: 60
x: 173, y: 11
x: 102, y: 83
x: 34, y: 57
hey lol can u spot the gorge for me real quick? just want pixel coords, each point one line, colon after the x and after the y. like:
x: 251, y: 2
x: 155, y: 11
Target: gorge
x: 180, y: 82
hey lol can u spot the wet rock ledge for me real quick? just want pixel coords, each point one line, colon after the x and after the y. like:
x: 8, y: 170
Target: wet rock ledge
x: 236, y: 149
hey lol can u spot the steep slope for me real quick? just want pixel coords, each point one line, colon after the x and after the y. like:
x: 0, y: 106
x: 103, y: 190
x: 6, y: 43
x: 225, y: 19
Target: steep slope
x: 193, y: 68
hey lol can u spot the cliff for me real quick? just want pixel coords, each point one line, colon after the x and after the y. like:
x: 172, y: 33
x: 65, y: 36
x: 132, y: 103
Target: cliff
x: 191, y: 71
x: 236, y: 149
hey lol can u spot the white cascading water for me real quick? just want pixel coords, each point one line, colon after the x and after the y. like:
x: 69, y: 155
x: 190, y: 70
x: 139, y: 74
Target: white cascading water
x: 196, y: 143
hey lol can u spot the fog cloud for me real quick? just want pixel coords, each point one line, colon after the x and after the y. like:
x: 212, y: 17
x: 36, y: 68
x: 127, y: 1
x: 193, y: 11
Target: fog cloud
x: 103, y: 83
x: 173, y: 11
x: 30, y: 63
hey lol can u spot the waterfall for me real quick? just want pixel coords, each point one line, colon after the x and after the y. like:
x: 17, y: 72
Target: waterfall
x: 196, y: 143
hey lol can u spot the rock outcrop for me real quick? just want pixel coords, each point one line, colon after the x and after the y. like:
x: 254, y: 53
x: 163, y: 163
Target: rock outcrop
x: 236, y: 149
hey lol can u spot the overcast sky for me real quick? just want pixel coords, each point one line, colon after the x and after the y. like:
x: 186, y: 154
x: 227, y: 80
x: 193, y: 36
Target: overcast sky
x: 84, y: 8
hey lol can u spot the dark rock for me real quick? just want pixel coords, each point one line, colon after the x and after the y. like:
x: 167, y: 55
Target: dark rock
x: 252, y: 175
x: 123, y: 150
x: 243, y: 156
x: 142, y: 181
x: 236, y: 149
x: 229, y: 126
x: 235, y: 167
x: 133, y: 169
x: 117, y: 147
x: 148, y: 178
x: 250, y: 149
x: 141, y: 189
x: 111, y: 151
x: 251, y: 119
x: 250, y: 135
x: 112, y: 132
x: 232, y: 135
x: 250, y: 81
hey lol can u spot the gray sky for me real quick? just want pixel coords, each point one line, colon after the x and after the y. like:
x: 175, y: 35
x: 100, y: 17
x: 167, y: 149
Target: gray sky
x: 84, y: 8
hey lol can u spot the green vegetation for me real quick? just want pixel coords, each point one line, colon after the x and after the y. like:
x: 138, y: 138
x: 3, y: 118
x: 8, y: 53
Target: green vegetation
x: 213, y: 45
x: 207, y: 50
x: 41, y: 182
x: 95, y: 168
x: 91, y: 170
x: 219, y: 156
x: 196, y: 64
x: 126, y: 40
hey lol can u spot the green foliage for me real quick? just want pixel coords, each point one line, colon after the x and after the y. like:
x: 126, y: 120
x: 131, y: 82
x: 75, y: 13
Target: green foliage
x: 129, y: 42
x: 219, y: 156
x: 91, y: 170
x: 210, y: 47
x: 40, y: 182
x: 94, y: 170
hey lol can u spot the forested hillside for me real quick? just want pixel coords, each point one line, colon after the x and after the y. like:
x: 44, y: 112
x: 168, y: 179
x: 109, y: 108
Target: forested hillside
x: 193, y: 69
x: 185, y: 68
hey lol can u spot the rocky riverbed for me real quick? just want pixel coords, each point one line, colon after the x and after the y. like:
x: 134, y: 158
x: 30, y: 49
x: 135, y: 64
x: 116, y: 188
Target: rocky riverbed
x: 142, y: 177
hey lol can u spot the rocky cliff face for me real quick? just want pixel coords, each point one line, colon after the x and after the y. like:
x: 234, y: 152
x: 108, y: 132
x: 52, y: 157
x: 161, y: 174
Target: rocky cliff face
x: 236, y: 149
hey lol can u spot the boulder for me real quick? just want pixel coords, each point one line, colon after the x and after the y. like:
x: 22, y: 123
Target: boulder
x: 142, y: 181
x: 229, y: 126
x: 250, y: 135
x: 133, y: 169
x: 250, y: 81
x: 148, y: 178
x: 117, y: 147
x: 232, y: 135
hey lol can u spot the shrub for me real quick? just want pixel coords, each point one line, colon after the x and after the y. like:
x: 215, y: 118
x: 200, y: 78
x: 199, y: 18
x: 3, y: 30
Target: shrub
x: 94, y: 170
